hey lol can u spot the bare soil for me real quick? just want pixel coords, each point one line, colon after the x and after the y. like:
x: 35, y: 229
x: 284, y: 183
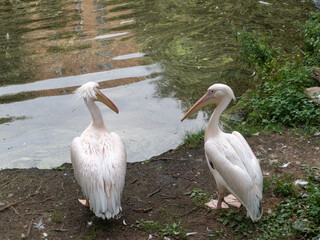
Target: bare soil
x: 154, y: 190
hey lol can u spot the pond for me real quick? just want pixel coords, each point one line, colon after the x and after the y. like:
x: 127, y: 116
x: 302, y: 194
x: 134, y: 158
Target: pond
x: 154, y: 59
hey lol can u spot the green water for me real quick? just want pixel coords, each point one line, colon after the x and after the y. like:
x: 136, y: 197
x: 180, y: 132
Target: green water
x: 16, y: 16
x: 194, y: 40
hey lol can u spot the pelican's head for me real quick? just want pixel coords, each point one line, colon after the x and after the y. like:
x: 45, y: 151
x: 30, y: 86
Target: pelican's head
x: 214, y: 95
x: 90, y: 91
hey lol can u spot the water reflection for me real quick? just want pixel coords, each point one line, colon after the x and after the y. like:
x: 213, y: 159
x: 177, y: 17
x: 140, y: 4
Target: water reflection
x: 147, y: 125
x: 128, y: 56
x: 20, y: 19
x: 111, y: 35
x: 190, y: 44
x: 194, y: 40
x: 64, y: 82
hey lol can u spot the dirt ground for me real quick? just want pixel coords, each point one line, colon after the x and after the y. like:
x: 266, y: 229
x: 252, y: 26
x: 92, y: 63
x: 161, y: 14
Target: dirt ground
x: 42, y: 204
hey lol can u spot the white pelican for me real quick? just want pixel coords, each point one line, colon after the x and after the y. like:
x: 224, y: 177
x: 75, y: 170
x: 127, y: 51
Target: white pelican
x: 229, y: 157
x: 99, y: 158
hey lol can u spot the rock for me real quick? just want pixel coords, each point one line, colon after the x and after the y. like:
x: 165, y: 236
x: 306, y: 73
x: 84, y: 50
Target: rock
x: 273, y: 156
x: 273, y: 161
x: 314, y: 93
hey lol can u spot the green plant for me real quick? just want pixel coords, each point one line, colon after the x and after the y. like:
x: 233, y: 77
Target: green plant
x: 280, y: 99
x: 257, y: 51
x: 310, y: 31
x: 283, y: 188
x: 296, y: 216
x: 192, y: 140
x: 56, y: 218
x: 199, y: 197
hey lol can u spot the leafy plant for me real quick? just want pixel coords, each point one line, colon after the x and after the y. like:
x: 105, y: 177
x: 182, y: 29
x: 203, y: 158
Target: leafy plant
x: 199, y: 197
x: 284, y: 189
x: 310, y: 31
x: 280, y: 97
x: 297, y: 216
x: 192, y: 140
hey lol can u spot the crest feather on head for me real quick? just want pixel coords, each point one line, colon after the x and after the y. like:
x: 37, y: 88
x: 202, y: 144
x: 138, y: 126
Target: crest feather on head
x: 87, y: 90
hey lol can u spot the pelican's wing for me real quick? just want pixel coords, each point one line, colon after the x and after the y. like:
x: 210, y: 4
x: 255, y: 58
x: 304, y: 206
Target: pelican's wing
x: 251, y: 160
x: 99, y: 168
x: 78, y: 159
x: 238, y: 181
x: 119, y: 162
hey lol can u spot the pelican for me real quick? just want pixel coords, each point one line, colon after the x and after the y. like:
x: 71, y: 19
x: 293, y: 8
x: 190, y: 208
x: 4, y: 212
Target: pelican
x: 229, y: 157
x: 99, y: 158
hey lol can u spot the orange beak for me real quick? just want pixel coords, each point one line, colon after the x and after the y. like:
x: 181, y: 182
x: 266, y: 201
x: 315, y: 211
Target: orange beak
x: 102, y: 98
x: 203, y: 101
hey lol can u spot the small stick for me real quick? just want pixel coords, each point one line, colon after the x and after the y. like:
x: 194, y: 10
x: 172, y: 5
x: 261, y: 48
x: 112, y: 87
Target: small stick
x: 167, y: 196
x: 15, y: 203
x: 142, y: 210
x: 15, y: 210
x: 29, y: 228
x: 9, y: 205
x: 134, y: 181
x: 6, y: 183
x: 59, y: 230
x: 155, y: 192
x: 191, y: 211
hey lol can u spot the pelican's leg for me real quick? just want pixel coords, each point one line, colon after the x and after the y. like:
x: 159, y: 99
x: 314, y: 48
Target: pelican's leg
x: 84, y: 202
x: 220, y: 198
x: 217, y: 204
x: 232, y: 200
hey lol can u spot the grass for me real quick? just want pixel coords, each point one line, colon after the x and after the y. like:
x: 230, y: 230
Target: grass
x: 192, y: 140
x: 296, y: 216
x: 56, y: 217
x: 161, y: 230
x: 68, y: 48
x: 11, y: 119
x: 199, y: 197
x: 279, y: 100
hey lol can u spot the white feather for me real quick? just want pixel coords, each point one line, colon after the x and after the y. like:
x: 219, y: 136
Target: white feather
x: 229, y: 156
x: 99, y: 161
x: 87, y: 91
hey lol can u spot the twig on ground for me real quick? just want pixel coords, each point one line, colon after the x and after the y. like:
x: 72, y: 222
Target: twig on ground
x: 9, y: 205
x: 17, y: 202
x: 15, y: 210
x: 134, y: 181
x: 142, y: 210
x: 29, y: 228
x: 191, y: 211
x: 163, y: 196
x: 155, y: 192
x: 6, y: 183
x: 60, y: 230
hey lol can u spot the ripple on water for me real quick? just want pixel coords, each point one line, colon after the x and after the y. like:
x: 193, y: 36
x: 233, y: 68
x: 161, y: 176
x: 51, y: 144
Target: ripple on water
x: 148, y: 126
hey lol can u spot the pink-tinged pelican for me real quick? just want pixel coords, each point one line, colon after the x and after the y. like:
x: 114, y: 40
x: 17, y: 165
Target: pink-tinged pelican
x: 99, y: 158
x: 229, y: 157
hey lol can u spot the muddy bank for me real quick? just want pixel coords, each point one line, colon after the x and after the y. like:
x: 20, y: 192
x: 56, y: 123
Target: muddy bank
x: 42, y: 204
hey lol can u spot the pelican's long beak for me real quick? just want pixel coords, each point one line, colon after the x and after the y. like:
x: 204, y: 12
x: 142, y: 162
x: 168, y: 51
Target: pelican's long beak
x: 203, y: 101
x: 102, y: 98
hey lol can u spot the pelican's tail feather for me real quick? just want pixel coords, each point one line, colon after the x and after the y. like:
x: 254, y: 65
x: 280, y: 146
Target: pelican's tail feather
x: 254, y: 206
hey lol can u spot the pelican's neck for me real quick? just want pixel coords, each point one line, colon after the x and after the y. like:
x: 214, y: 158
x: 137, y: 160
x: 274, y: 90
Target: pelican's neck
x: 97, y: 120
x: 213, y: 128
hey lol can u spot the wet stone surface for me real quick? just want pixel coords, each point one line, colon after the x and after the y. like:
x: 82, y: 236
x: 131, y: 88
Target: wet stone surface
x: 105, y: 66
